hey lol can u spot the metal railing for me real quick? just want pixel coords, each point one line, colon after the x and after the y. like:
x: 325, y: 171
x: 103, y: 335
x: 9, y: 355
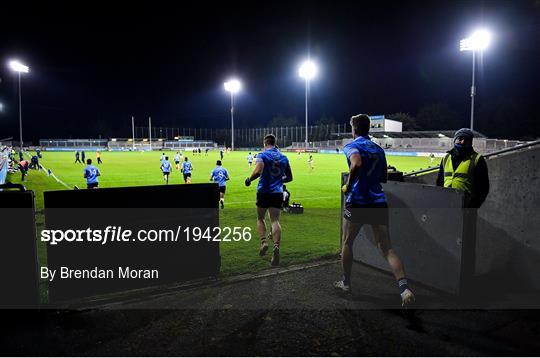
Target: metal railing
x: 492, y: 154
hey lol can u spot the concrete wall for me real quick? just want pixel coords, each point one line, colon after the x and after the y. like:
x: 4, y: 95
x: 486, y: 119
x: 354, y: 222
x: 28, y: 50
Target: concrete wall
x: 427, y: 230
x: 508, y: 227
x: 508, y: 243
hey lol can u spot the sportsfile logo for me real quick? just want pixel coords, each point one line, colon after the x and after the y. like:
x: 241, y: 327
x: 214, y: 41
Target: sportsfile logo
x: 118, y: 234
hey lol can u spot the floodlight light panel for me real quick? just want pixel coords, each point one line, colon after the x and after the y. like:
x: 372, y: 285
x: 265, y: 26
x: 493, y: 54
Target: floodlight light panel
x: 18, y: 67
x: 232, y: 86
x: 481, y: 39
x: 307, y: 70
x: 465, y: 45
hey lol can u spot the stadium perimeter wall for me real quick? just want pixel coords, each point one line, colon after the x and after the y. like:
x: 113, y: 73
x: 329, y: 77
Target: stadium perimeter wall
x: 508, y: 227
x: 3, y: 166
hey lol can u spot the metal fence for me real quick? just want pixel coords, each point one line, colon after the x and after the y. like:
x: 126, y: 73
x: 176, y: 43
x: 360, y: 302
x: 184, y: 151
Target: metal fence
x: 249, y: 137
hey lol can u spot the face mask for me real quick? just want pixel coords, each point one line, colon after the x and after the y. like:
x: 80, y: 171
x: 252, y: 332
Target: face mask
x: 462, y: 149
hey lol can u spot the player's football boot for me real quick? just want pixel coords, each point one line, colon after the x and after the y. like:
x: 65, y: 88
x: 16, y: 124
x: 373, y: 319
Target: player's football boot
x: 263, y: 248
x: 340, y: 285
x: 275, y: 256
x: 407, y: 298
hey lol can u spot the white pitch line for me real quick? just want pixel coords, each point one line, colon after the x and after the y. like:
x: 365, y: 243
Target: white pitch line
x: 52, y: 175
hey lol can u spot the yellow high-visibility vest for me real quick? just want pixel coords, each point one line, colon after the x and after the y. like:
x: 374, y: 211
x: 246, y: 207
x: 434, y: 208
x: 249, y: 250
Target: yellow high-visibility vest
x: 462, y: 177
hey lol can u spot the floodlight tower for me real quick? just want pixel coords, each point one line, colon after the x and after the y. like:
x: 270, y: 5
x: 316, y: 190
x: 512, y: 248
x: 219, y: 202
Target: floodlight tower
x: 19, y: 68
x: 478, y: 41
x: 232, y: 86
x: 308, y: 70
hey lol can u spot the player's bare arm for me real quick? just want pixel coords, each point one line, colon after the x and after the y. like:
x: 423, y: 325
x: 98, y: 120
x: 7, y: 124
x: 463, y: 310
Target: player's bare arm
x: 354, y: 169
x: 256, y: 173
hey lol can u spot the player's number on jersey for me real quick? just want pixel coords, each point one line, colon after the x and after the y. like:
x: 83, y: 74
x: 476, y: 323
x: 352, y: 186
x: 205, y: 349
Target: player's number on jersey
x: 276, y: 169
x: 374, y: 159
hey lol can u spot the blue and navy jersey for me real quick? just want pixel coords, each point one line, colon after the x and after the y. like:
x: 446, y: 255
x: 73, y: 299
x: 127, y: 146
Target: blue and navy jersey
x: 275, y: 163
x: 187, y: 167
x: 220, y: 175
x: 367, y: 188
x: 91, y: 173
x: 166, y: 166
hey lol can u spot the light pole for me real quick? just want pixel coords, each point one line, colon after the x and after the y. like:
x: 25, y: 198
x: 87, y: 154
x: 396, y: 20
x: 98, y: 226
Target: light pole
x: 19, y: 68
x: 233, y: 86
x: 478, y: 41
x: 307, y: 71
x: 133, y: 132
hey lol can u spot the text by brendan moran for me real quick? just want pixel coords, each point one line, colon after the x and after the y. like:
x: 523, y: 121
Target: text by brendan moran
x: 96, y: 273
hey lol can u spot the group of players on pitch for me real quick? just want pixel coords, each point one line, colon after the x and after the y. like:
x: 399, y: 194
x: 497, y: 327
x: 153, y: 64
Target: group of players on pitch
x: 185, y: 167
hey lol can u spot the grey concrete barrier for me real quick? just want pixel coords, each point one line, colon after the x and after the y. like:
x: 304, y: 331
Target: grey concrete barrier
x: 508, y: 227
x: 428, y: 231
x: 18, y: 262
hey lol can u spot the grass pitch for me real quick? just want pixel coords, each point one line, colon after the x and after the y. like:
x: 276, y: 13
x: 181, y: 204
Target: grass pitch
x: 307, y: 237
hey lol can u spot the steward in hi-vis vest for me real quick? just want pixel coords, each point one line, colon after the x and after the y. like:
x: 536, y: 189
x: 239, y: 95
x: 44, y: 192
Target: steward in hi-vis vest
x: 464, y: 169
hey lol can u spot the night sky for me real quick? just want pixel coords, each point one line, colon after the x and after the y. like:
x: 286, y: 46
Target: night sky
x: 93, y: 65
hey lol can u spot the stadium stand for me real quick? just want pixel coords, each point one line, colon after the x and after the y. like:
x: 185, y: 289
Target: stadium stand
x: 186, y: 143
x: 127, y: 144
x: 72, y: 144
x: 413, y: 141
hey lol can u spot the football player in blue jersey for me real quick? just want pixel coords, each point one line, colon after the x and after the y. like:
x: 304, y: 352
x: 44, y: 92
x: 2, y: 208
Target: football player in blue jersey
x: 186, y: 169
x: 177, y: 157
x: 274, y: 169
x: 220, y: 176
x: 90, y: 174
x: 166, y: 169
x: 366, y: 204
